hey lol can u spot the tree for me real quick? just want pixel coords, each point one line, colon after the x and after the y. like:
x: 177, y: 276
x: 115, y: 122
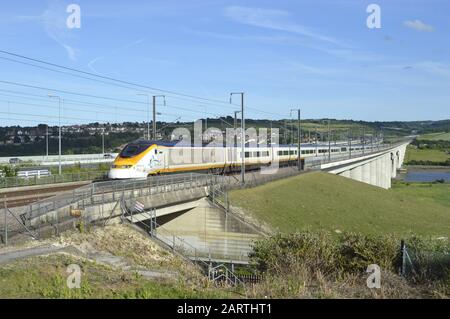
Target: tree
x: 9, y: 171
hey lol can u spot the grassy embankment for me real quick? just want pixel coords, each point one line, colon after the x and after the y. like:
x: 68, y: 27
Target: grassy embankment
x: 320, y: 201
x: 424, y: 192
x: 306, y: 265
x: 331, y: 228
x: 45, y: 276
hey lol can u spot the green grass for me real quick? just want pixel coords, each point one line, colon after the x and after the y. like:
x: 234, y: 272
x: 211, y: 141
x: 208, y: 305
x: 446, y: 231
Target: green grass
x: 321, y: 201
x: 74, y: 169
x: 432, y: 155
x: 436, y: 136
x: 45, y: 277
x: 424, y: 192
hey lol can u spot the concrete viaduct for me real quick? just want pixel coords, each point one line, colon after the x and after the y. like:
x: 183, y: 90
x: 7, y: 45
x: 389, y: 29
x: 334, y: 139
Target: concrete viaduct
x: 375, y: 169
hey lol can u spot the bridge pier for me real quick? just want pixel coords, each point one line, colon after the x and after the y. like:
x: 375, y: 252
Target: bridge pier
x: 374, y: 169
x: 387, y: 172
x: 366, y: 173
x: 373, y: 173
x: 356, y: 173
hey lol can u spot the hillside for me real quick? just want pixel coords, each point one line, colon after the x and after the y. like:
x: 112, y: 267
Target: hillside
x: 324, y: 201
x: 441, y: 136
x: 116, y: 262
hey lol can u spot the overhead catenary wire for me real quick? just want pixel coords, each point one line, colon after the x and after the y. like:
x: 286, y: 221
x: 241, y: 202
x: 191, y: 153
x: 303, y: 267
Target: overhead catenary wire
x: 192, y: 97
x: 66, y: 108
x: 173, y: 94
x: 78, y: 109
x: 47, y: 89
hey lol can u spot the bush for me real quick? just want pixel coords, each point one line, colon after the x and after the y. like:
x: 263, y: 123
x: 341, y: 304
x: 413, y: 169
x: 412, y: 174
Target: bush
x: 8, y: 170
x: 349, y: 254
x: 357, y: 251
x: 282, y: 252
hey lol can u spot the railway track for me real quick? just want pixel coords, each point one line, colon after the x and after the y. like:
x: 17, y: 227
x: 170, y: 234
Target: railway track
x: 23, y: 197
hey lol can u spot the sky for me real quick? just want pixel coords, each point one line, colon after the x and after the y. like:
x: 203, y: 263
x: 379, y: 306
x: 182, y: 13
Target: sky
x: 317, y: 55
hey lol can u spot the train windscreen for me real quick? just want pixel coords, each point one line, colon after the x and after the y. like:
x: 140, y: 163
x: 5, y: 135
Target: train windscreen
x: 133, y: 149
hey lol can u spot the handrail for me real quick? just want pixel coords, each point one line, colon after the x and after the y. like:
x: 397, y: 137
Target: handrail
x: 127, y: 188
x: 212, y: 271
x: 16, y: 181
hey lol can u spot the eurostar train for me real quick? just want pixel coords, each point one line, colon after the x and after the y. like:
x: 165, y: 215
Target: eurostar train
x: 142, y: 158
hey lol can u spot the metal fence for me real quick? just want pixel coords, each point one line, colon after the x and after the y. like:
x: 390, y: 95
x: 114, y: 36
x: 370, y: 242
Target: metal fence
x: 32, y: 218
x: 7, y: 182
x: 112, y: 191
x: 424, y: 263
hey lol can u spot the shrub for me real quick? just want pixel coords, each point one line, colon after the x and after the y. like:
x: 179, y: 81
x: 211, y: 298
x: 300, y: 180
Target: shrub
x: 357, y: 251
x: 350, y: 253
x: 281, y: 253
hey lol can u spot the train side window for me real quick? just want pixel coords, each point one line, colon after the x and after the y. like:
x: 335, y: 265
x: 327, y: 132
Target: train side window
x: 247, y: 154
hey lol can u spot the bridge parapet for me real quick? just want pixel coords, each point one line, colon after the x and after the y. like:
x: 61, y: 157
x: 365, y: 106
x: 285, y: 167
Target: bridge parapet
x: 375, y: 169
x: 99, y: 200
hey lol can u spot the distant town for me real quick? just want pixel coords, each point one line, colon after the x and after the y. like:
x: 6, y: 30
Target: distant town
x: 92, y: 137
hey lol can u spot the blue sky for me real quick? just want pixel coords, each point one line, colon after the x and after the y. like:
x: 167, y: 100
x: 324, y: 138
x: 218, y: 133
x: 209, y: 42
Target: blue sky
x: 318, y: 55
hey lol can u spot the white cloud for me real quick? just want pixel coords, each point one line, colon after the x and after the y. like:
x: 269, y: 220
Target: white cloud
x: 272, y: 19
x: 53, y: 20
x: 268, y: 39
x: 71, y: 52
x: 92, y: 62
x: 313, y: 70
x: 418, y: 26
x: 434, y: 68
x: 99, y: 58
